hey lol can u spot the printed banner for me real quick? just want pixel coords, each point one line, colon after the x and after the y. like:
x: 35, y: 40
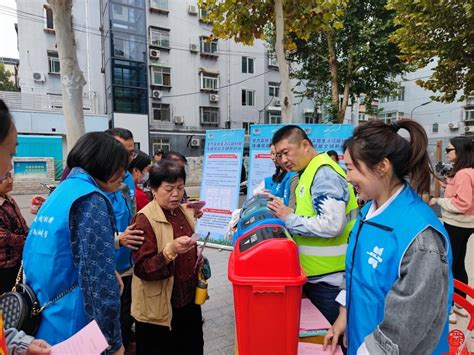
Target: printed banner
x: 324, y: 137
x: 220, y: 184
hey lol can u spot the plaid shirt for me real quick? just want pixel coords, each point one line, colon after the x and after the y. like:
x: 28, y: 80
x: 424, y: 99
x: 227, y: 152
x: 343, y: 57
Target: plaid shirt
x: 13, y: 231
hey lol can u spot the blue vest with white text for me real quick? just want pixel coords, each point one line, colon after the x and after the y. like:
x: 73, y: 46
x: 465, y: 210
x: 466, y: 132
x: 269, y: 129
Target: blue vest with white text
x: 376, y: 249
x: 281, y: 189
x: 48, y: 262
x: 123, y: 209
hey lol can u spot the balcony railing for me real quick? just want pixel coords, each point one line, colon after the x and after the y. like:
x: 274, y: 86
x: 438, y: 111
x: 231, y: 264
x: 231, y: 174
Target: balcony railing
x: 41, y: 102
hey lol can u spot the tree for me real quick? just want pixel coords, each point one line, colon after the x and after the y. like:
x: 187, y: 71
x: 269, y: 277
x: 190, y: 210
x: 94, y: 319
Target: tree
x: 441, y: 32
x: 357, y: 59
x: 72, y: 80
x: 246, y: 20
x: 5, y: 83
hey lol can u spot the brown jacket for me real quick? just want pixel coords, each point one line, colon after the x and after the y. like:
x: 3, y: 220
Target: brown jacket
x: 151, y: 300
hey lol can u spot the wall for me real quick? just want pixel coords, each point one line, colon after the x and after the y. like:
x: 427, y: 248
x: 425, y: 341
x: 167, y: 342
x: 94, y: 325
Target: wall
x: 136, y: 123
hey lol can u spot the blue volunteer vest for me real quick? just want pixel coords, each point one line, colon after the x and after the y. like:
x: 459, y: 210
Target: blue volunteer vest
x: 48, y: 262
x: 281, y: 189
x: 375, y: 251
x: 123, y: 210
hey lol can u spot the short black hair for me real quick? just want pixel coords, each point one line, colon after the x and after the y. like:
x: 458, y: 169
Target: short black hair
x: 6, y: 121
x: 172, y: 155
x: 123, y: 133
x: 158, y: 152
x: 98, y: 153
x: 141, y: 161
x: 294, y: 134
x: 333, y: 153
x: 166, y: 171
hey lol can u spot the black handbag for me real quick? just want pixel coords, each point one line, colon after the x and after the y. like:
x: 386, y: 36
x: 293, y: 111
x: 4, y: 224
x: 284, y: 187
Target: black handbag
x: 21, y: 309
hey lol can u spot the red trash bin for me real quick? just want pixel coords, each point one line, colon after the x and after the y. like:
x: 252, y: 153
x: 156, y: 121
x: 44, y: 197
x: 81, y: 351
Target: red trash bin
x: 267, y: 279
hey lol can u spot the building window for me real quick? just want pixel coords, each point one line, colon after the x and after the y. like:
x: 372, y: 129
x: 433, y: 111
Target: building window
x: 161, y: 112
x: 247, y: 126
x: 274, y: 89
x: 435, y: 128
x: 161, y: 144
x: 396, y: 95
x: 389, y: 117
x: 161, y: 5
x: 272, y: 59
x: 53, y: 61
x: 130, y: 100
x: 274, y: 118
x: 209, y: 116
x: 160, y: 76
x: 203, y: 16
x: 208, y: 47
x: 469, y: 115
x: 160, y: 37
x: 209, y: 82
x: 248, y: 97
x: 48, y: 18
x: 247, y: 65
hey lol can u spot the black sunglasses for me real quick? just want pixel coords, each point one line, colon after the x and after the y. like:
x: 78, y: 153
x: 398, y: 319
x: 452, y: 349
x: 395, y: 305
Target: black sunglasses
x: 449, y: 150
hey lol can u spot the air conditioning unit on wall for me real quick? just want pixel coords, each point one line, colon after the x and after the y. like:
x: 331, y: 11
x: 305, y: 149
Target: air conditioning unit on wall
x: 193, y: 47
x: 39, y: 77
x: 157, y: 94
x: 277, y: 102
x: 178, y: 120
x: 469, y: 129
x: 195, y: 142
x: 453, y: 125
x: 154, y: 54
x: 214, y: 98
x: 192, y: 10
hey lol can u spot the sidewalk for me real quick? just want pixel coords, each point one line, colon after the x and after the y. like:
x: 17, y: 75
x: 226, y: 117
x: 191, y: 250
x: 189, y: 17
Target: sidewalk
x: 218, y: 311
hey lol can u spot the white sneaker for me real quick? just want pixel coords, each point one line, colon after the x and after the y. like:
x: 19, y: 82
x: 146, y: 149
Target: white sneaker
x: 453, y: 319
x: 460, y: 311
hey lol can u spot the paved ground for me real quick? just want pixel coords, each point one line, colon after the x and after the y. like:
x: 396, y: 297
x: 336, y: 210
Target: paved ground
x: 218, y: 310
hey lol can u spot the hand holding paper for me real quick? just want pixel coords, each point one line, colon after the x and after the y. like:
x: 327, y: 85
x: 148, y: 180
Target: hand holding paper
x: 89, y: 340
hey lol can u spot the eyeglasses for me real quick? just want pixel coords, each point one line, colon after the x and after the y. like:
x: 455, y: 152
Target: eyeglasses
x: 449, y: 150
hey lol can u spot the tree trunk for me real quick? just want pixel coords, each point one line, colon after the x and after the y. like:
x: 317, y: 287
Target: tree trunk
x: 285, y: 89
x: 333, y: 70
x: 347, y: 87
x: 72, y: 80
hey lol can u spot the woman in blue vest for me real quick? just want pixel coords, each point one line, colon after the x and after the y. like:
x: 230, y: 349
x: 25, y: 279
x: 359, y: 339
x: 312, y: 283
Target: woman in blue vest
x: 70, y: 247
x: 398, y: 286
x: 282, y: 183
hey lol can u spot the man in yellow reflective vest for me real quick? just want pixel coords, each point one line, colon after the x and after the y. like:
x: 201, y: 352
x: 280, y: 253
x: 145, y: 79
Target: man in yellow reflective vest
x: 326, y: 210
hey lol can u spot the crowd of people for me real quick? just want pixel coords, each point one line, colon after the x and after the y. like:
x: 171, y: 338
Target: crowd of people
x: 113, y: 242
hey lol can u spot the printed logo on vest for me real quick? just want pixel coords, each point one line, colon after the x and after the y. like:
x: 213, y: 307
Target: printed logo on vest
x: 375, y: 257
x: 301, y: 191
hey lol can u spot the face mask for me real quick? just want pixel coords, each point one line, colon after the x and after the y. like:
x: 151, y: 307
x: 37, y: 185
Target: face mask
x: 145, y: 178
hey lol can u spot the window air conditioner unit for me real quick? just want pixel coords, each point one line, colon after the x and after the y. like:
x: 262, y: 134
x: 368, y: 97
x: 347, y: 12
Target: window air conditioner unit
x: 453, y: 125
x: 469, y: 129
x: 178, y: 120
x: 157, y: 94
x: 193, y: 47
x: 195, y: 142
x: 192, y: 10
x: 277, y: 102
x: 39, y: 77
x: 214, y: 98
x: 154, y: 54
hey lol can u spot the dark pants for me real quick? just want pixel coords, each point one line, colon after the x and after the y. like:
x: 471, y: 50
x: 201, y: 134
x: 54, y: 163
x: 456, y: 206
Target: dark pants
x: 126, y: 320
x: 323, y: 296
x: 8, y: 278
x: 459, y: 238
x: 185, y: 336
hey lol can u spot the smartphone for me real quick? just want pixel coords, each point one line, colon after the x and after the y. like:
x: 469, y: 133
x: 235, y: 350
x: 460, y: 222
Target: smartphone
x: 197, y: 205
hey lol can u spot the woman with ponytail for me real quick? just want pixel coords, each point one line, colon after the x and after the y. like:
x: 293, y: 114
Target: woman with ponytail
x: 398, y: 285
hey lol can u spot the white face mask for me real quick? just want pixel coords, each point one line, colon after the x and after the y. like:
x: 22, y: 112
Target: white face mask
x: 145, y: 178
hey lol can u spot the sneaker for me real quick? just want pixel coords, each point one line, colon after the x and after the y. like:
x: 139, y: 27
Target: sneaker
x: 453, y: 319
x: 460, y: 311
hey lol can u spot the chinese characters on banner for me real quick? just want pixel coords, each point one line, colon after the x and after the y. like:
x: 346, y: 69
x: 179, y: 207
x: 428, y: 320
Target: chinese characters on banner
x: 220, y: 182
x: 323, y: 136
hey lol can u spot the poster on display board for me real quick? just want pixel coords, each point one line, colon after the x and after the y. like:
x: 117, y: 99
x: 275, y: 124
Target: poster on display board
x: 220, y: 184
x: 323, y: 136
